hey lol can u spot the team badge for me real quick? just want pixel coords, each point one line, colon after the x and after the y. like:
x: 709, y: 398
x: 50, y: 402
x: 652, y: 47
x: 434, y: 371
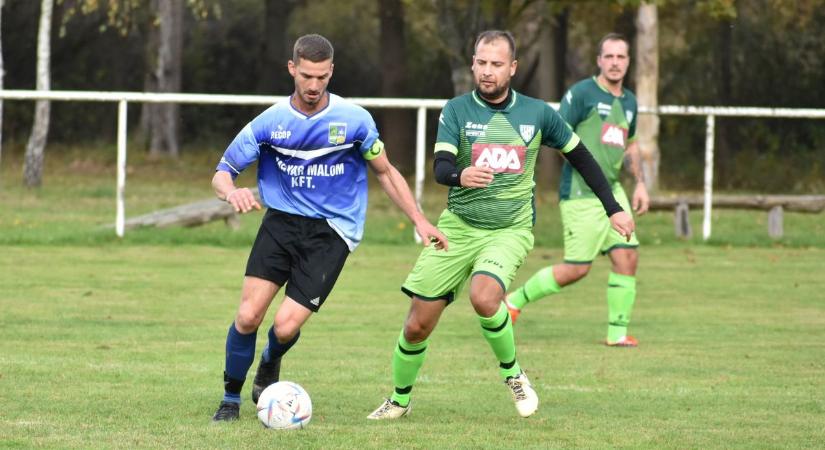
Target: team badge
x: 527, y: 132
x: 337, y: 133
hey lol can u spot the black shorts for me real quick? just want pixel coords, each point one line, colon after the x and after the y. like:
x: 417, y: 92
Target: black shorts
x: 305, y: 254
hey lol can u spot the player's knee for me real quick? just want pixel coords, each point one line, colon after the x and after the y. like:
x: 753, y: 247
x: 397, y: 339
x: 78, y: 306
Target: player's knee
x: 486, y: 303
x: 248, y: 320
x: 286, y: 330
x: 626, y: 263
x: 416, y: 331
x: 580, y: 271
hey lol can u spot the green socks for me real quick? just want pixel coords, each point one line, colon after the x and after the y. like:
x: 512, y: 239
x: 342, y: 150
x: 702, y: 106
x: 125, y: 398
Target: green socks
x: 539, y: 285
x: 406, y: 362
x: 621, y: 294
x: 498, y: 330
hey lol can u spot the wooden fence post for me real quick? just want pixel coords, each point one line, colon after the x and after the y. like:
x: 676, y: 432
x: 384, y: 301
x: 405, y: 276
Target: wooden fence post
x: 775, y: 229
x: 681, y: 220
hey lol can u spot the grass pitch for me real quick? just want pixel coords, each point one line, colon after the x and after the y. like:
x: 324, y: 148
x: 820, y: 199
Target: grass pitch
x: 122, y: 347
x: 110, y: 343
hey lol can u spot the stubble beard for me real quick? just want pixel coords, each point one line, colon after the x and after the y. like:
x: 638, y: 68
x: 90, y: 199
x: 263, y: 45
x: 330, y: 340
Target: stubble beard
x: 493, y: 94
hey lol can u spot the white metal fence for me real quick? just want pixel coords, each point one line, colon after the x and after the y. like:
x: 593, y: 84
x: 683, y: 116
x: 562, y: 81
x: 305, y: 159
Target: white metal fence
x: 420, y: 105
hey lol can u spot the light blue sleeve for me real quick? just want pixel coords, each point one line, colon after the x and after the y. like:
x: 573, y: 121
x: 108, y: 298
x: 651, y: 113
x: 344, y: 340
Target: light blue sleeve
x: 244, y: 149
x: 367, y: 134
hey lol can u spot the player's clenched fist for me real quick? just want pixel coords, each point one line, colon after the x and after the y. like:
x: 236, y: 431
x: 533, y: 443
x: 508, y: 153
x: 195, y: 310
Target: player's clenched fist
x: 476, y: 177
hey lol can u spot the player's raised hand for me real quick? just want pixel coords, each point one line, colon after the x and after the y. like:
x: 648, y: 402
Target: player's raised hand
x: 476, y: 177
x: 430, y: 234
x: 623, y: 223
x: 243, y: 200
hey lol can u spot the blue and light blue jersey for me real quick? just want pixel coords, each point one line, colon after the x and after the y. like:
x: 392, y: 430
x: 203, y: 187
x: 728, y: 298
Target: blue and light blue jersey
x: 313, y: 166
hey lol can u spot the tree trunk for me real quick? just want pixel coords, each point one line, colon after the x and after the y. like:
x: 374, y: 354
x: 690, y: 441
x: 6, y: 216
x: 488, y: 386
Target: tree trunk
x: 647, y: 88
x: 396, y: 129
x: 2, y: 74
x: 724, y: 61
x: 551, y: 69
x: 276, y: 48
x: 33, y: 160
x: 455, y: 33
x: 165, y: 123
x: 147, y: 110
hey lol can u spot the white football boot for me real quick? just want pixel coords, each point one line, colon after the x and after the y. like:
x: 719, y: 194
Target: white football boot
x: 526, y: 399
x: 390, y: 410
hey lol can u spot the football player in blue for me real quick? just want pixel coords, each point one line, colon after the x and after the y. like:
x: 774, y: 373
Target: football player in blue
x: 312, y: 150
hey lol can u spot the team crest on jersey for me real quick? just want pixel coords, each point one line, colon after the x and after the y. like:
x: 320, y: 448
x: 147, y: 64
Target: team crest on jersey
x: 614, y: 135
x: 527, y: 132
x: 500, y: 158
x: 337, y: 133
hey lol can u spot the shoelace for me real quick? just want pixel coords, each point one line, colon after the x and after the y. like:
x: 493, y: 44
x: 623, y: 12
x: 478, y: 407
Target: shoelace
x: 518, y: 391
x: 385, y: 408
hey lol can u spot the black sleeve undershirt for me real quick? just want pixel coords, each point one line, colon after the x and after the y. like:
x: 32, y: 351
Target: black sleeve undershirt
x: 581, y: 159
x: 446, y: 172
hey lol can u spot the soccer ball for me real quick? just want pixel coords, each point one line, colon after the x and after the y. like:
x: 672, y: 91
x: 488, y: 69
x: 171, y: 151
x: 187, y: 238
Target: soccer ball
x: 284, y: 406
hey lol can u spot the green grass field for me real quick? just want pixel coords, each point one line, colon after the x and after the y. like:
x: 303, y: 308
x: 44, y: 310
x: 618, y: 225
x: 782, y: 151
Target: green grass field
x: 108, y: 343
x: 123, y: 347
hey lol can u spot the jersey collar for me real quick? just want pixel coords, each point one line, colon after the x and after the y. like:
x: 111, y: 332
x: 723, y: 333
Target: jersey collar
x: 606, y: 91
x: 482, y: 103
x: 332, y: 99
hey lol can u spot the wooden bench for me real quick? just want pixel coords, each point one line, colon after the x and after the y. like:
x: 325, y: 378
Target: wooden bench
x: 190, y: 215
x: 774, y: 204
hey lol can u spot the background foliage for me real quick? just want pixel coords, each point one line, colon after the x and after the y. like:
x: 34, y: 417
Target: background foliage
x: 712, y: 52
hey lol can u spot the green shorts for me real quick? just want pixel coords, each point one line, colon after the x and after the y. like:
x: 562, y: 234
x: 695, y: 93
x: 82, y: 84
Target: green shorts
x: 498, y: 253
x: 587, y: 230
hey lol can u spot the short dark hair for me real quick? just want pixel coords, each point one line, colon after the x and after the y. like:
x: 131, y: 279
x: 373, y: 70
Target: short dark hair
x: 613, y: 37
x: 492, y: 35
x: 312, y: 47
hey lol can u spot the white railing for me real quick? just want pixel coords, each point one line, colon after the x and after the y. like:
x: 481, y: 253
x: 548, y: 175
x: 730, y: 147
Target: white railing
x: 421, y: 105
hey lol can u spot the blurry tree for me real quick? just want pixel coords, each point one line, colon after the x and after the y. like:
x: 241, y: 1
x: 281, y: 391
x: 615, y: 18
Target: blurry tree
x: 459, y: 23
x: 276, y: 48
x: 646, y: 57
x: 396, y: 124
x: 737, y: 52
x: 33, y: 159
x: 164, y: 75
x: 2, y: 75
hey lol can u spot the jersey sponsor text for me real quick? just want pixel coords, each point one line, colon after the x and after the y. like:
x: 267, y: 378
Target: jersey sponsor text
x: 500, y: 158
x: 613, y: 135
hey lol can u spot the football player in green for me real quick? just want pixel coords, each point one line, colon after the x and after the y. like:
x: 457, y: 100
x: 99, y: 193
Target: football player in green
x: 603, y: 113
x: 486, y: 150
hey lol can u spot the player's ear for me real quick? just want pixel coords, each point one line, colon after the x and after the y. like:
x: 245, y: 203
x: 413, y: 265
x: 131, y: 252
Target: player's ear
x: 513, y: 67
x: 290, y: 66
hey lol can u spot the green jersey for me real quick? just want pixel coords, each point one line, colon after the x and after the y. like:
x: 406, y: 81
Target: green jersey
x: 606, y: 124
x: 508, y: 141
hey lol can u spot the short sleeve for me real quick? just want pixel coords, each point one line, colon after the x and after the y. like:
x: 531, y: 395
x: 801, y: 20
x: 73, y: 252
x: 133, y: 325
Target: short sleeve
x: 634, y: 113
x: 367, y: 135
x: 556, y: 133
x: 244, y: 149
x: 449, y: 130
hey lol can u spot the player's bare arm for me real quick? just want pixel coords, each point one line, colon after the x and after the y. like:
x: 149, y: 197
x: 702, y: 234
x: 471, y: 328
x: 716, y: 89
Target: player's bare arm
x: 242, y: 199
x: 641, y: 200
x: 399, y: 192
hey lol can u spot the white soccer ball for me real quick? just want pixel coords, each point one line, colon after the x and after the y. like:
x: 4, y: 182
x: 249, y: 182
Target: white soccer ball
x: 284, y: 406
